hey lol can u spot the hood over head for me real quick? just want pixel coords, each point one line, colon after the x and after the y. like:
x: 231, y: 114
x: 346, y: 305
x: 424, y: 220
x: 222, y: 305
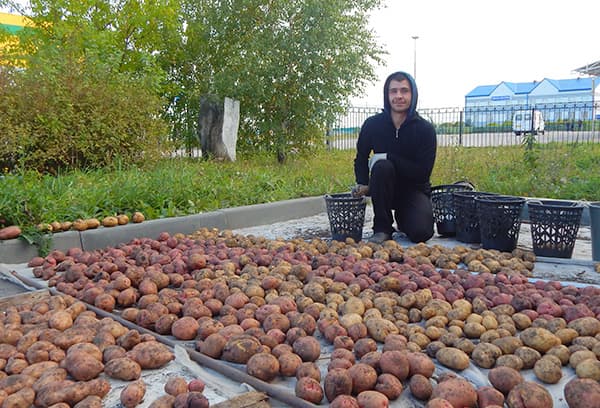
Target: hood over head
x: 399, y: 75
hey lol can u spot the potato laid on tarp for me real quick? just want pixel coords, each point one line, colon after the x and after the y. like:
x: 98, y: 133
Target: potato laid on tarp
x: 582, y: 393
x: 457, y: 391
x: 151, y: 354
x: 529, y: 395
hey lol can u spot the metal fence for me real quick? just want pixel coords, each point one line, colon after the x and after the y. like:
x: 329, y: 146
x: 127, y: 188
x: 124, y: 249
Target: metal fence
x: 486, y: 126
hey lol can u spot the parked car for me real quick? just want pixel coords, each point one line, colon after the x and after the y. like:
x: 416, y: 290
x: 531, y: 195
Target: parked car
x: 528, y: 121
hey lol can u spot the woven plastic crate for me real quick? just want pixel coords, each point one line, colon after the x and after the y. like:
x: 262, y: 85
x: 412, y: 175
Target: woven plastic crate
x: 466, y: 218
x: 346, y: 216
x: 554, y: 227
x: 442, y: 202
x: 499, y: 221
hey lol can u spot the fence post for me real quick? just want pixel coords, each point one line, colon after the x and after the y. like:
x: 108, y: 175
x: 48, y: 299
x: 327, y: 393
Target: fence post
x: 460, y: 127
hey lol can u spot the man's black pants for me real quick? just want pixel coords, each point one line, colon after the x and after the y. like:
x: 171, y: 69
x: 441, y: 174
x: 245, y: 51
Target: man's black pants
x: 412, y: 209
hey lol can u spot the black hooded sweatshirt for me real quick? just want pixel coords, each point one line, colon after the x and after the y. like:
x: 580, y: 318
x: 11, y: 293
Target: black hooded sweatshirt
x: 411, y: 148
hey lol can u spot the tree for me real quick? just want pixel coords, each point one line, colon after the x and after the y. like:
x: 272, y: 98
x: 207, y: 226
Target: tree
x: 92, y: 88
x: 292, y: 64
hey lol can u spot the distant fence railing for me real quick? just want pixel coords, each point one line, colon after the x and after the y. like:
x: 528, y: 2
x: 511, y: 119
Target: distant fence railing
x: 485, y: 126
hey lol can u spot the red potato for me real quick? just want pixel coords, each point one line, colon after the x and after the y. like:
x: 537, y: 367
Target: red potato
x: 264, y: 366
x: 372, y: 399
x: 309, y: 389
x: 457, y: 391
x: 421, y: 387
x: 364, y: 377
x: 185, y: 328
x: 10, y: 232
x: 344, y: 401
x: 133, y: 394
x: 288, y: 364
x: 488, y: 397
x: 196, y: 385
x: 308, y: 348
x: 396, y: 363
x: 337, y: 382
x: 582, y: 392
x: 439, y: 403
x: 176, y: 385
x: 309, y: 369
x: 389, y: 385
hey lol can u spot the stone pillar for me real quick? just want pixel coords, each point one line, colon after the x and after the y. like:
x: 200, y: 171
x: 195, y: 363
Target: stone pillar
x: 218, y: 123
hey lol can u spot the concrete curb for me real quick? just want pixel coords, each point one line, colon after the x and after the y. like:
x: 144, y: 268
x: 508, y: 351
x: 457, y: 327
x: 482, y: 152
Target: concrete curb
x: 19, y: 251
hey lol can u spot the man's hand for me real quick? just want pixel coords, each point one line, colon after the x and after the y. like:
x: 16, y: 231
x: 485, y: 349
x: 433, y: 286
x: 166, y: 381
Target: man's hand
x: 360, y: 190
x: 375, y: 158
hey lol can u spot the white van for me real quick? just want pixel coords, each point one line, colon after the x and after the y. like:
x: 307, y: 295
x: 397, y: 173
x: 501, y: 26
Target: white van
x: 523, y: 123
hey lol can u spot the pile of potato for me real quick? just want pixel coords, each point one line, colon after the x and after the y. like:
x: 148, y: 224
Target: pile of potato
x: 389, y: 312
x: 55, y: 353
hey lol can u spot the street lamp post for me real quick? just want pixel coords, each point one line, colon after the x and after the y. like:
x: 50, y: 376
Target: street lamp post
x: 415, y: 38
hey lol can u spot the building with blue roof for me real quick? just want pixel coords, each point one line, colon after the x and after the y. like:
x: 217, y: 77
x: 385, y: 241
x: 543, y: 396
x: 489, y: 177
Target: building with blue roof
x: 559, y: 99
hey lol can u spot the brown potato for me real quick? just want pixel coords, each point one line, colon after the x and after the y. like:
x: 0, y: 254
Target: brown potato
x: 308, y: 348
x: 133, y: 394
x: 185, y: 328
x: 420, y: 386
x: 504, y: 378
x: 123, y: 368
x: 548, y: 370
x: 151, y: 354
x: 176, y: 385
x: 21, y: 399
x: 288, y: 364
x: 454, y: 358
x: 264, y: 366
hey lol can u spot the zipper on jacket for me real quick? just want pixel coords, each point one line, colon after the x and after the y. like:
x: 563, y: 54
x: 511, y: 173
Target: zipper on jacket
x: 397, y: 130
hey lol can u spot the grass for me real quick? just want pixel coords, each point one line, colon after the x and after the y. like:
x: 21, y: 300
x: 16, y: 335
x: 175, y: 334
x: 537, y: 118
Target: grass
x: 177, y: 187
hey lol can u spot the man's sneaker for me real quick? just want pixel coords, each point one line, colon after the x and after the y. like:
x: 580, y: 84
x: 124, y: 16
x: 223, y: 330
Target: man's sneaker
x: 380, y: 237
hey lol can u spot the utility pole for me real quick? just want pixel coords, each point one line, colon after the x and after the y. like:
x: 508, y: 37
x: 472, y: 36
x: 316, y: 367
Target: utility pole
x: 415, y: 38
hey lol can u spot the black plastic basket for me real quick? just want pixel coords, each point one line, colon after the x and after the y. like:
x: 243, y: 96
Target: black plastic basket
x: 554, y: 226
x: 466, y: 218
x: 499, y: 221
x: 346, y: 216
x: 442, y: 202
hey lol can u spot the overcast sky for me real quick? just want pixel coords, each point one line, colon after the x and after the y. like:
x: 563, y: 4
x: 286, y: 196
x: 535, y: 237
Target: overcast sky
x: 466, y: 43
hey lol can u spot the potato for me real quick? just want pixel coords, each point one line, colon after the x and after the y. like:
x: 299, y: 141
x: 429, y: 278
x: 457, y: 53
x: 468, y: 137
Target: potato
x: 419, y: 363
x: 344, y: 401
x: 110, y: 221
x: 21, y: 399
x: 489, y: 396
x: 308, y: 348
x: 133, y: 394
x: 529, y: 395
x: 439, y: 403
x: 309, y: 389
x: 582, y: 393
x: 539, y: 339
x: 91, y: 401
x: 363, y: 346
x: 213, y: 345
x: 309, y: 369
x: 176, y: 385
x: 50, y: 375
x: 548, y: 370
x: 37, y: 369
x: 420, y: 386
x: 185, y: 328
x: 579, y: 356
x: 396, y: 363
x: 166, y: 401
x: 123, y: 368
x: 528, y: 355
x: 364, y: 377
x: 585, y: 326
x: 485, y: 354
x: 589, y: 368
x: 379, y: 328
x: 138, y: 217
x: 504, y: 379
x: 454, y: 358
x: 239, y: 349
x: 151, y: 354
x: 10, y: 232
x: 337, y: 382
x: 83, y: 366
x: 389, y: 385
x: 264, y: 366
x: 60, y: 320
x: 288, y: 364
x: 372, y: 399
x: 457, y: 391
x: 71, y: 393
